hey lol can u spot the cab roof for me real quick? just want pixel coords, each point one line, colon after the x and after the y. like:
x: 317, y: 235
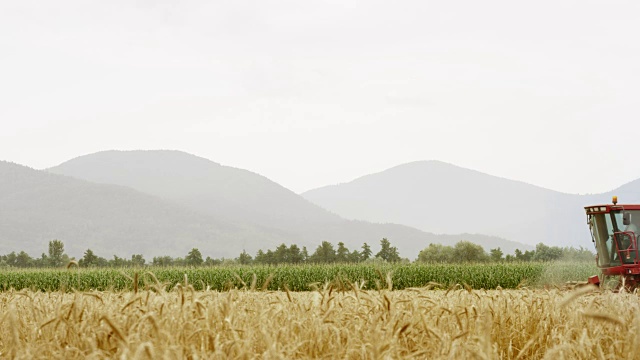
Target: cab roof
x: 606, y: 208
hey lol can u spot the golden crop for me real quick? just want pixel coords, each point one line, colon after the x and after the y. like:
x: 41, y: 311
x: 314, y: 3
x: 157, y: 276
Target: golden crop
x: 356, y: 324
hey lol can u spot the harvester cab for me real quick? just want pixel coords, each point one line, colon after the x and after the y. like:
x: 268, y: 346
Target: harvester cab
x: 614, y: 231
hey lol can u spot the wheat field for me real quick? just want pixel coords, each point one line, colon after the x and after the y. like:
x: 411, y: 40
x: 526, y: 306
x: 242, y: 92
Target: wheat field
x: 420, y: 323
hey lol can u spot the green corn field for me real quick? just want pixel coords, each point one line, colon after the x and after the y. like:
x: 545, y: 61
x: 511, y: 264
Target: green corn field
x: 301, y: 277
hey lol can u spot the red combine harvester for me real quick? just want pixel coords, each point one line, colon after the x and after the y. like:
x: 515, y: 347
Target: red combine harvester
x: 614, y: 230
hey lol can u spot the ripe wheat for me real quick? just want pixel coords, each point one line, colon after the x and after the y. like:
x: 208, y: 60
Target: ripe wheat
x: 328, y: 323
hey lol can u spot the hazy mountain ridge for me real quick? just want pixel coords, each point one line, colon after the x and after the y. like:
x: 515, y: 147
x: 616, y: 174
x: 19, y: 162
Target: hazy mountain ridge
x: 225, y: 192
x: 626, y: 192
x: 36, y: 207
x: 445, y: 198
x: 238, y: 196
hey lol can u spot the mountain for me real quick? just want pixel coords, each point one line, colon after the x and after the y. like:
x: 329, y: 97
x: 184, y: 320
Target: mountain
x: 228, y: 193
x: 443, y: 198
x: 245, y: 198
x: 627, y: 193
x: 36, y: 207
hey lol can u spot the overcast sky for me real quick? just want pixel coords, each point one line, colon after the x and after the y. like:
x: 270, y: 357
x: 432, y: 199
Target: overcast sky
x: 312, y: 93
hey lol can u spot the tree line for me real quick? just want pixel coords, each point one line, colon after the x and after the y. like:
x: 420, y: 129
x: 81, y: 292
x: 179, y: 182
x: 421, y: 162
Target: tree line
x: 465, y: 251
x: 325, y: 253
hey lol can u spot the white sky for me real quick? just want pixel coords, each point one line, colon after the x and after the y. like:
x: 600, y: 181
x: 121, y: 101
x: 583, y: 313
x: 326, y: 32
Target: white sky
x: 312, y: 93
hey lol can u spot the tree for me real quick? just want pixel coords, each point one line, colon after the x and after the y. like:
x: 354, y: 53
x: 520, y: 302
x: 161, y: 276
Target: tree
x: 137, y: 260
x: 355, y: 256
x: 56, y: 252
x: 366, y: 251
x: 580, y: 254
x: 23, y: 260
x: 269, y: 258
x: 281, y: 255
x: 89, y: 259
x: 260, y: 257
x: 325, y: 253
x: 117, y: 261
x: 387, y: 252
x: 496, y: 254
x: 41, y: 262
x: 194, y: 258
x: 244, y: 258
x: 102, y: 262
x: 547, y: 253
x: 212, y: 262
x: 11, y: 259
x: 162, y: 261
x: 466, y: 251
x: 44, y: 259
x: 295, y: 255
x: 526, y: 256
x: 342, y: 255
x: 436, y: 253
